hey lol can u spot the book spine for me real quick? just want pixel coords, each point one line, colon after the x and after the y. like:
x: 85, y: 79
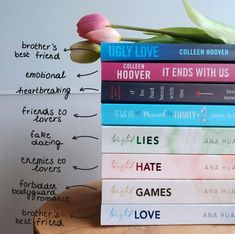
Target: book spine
x: 144, y: 214
x: 168, y: 140
x: 166, y: 93
x: 166, y: 52
x: 167, y: 166
x: 167, y: 191
x: 168, y: 72
x: 168, y: 115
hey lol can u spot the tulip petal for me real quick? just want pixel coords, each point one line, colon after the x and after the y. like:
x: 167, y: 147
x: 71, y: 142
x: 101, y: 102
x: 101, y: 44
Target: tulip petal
x: 91, y: 22
x: 213, y: 28
x: 103, y: 35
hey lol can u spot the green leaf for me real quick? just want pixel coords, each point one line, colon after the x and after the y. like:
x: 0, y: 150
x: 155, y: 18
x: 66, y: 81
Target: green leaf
x: 213, y: 28
x: 191, y: 33
x: 161, y: 38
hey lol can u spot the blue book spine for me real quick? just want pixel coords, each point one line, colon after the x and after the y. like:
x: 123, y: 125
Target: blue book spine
x: 168, y: 115
x: 166, y: 52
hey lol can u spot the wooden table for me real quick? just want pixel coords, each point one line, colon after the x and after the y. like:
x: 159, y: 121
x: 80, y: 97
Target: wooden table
x: 81, y: 215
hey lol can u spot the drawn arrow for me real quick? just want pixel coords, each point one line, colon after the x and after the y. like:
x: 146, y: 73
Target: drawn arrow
x: 81, y: 185
x: 84, y: 136
x: 84, y: 116
x: 88, y: 74
x: 85, y: 169
x: 65, y: 49
x: 84, y: 89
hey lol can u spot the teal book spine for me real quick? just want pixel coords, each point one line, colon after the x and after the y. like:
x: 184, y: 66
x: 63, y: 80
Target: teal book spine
x: 168, y: 115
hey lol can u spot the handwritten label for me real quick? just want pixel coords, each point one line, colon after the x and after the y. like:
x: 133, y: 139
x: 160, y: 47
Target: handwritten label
x: 40, y: 90
x: 44, y: 164
x: 50, y: 218
x: 45, y: 75
x: 45, y: 115
x: 38, y: 50
x: 42, y: 138
x: 38, y: 191
x: 35, y: 191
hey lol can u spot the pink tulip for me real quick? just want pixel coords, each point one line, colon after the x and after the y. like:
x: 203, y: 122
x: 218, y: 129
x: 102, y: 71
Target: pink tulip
x: 91, y: 22
x: 103, y: 35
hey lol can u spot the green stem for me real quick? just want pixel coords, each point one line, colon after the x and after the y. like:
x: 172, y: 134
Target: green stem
x: 174, y: 34
x: 132, y: 39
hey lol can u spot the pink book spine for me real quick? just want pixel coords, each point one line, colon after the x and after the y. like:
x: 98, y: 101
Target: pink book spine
x: 167, y: 166
x: 169, y: 72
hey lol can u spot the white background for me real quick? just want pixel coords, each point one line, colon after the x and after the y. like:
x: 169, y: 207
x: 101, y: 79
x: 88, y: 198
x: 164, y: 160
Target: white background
x: 55, y: 21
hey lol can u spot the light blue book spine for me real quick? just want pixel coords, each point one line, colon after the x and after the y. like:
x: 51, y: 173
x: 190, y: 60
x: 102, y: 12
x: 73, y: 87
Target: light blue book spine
x: 166, y: 52
x: 168, y: 115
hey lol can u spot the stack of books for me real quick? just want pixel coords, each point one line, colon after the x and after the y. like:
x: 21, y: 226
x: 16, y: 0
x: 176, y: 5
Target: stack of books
x: 168, y: 134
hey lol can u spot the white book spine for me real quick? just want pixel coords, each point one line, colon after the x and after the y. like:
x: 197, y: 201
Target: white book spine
x: 167, y: 214
x: 167, y: 140
x: 168, y: 191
